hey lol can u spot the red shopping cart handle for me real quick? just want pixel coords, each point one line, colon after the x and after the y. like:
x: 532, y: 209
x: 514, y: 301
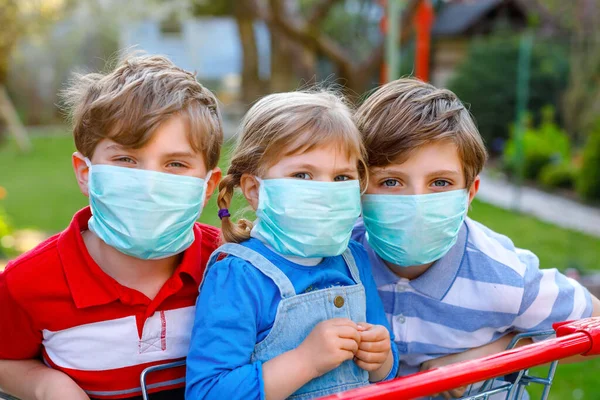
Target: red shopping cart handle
x: 576, y: 338
x: 589, y: 326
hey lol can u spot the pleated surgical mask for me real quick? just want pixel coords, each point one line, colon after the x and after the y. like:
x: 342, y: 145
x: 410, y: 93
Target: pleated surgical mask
x: 144, y: 214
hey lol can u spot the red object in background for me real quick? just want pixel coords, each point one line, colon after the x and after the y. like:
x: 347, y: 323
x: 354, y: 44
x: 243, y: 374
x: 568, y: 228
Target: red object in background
x: 583, y: 340
x: 423, y: 22
x: 383, y: 27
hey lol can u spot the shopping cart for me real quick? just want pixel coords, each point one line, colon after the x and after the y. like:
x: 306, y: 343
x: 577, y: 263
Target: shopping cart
x: 573, y: 338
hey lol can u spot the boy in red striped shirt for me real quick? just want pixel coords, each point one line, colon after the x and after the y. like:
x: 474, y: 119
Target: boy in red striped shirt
x: 87, y: 310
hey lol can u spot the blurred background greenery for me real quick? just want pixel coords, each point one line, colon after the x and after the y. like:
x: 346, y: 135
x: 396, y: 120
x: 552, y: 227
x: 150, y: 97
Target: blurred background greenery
x: 244, y: 49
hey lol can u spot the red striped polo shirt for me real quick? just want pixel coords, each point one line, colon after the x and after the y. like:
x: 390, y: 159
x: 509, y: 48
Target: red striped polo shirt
x: 56, y: 303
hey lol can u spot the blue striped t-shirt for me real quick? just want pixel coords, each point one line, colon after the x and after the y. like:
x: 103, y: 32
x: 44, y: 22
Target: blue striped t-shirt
x: 482, y: 289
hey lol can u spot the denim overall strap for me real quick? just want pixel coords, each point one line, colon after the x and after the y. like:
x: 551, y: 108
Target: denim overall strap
x: 259, y: 262
x: 296, y: 318
x: 351, y: 263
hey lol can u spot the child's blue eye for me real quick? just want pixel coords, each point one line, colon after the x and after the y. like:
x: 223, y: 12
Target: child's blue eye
x: 128, y: 160
x: 341, y: 178
x: 391, y: 183
x: 176, y: 164
x: 441, y: 183
x: 302, y: 175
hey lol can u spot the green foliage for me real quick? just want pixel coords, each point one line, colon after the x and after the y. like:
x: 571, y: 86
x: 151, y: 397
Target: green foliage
x: 544, y: 145
x: 213, y: 8
x: 487, y: 81
x: 588, y: 184
x: 561, y: 175
x: 5, y: 230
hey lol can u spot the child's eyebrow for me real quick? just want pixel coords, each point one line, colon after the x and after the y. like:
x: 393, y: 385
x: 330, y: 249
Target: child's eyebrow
x: 444, y: 172
x: 303, y: 166
x: 390, y: 171
x: 115, y: 146
x: 346, y: 170
x: 180, y: 154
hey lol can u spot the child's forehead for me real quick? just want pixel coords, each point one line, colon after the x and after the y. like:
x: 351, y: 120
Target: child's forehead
x: 436, y: 156
x: 318, y: 156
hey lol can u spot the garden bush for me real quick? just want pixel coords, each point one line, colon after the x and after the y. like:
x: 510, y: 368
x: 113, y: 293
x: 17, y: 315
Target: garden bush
x: 542, y: 146
x: 561, y: 175
x: 486, y: 81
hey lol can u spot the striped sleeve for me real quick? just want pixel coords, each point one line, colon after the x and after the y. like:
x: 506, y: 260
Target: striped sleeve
x: 549, y: 297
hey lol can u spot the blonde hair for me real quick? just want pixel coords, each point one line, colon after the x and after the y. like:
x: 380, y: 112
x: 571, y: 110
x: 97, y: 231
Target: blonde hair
x: 280, y: 125
x: 406, y: 114
x: 129, y: 103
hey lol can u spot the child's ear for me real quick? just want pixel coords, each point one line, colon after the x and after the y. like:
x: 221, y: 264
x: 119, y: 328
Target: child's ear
x: 212, y: 184
x: 474, y: 188
x: 249, y: 185
x: 81, y: 172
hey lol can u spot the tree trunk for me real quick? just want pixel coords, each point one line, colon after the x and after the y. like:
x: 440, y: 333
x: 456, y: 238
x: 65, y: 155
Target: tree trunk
x: 308, y: 34
x: 9, y: 115
x: 290, y: 66
x: 9, y: 33
x: 282, y: 70
x: 251, y: 83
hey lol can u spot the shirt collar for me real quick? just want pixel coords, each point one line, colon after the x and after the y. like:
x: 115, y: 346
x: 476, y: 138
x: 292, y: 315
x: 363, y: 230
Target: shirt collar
x: 90, y: 285
x: 436, y: 281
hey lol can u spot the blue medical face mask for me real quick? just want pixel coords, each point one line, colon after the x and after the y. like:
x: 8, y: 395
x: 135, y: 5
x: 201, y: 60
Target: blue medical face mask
x: 409, y: 230
x: 144, y: 214
x: 307, y: 218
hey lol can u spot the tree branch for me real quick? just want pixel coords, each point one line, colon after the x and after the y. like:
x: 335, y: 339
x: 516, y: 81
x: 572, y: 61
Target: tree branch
x: 319, y: 11
x: 307, y: 36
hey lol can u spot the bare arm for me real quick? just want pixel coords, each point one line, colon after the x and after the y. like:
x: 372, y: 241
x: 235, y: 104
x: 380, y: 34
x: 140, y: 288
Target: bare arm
x: 471, y: 354
x: 32, y: 380
x: 285, y: 374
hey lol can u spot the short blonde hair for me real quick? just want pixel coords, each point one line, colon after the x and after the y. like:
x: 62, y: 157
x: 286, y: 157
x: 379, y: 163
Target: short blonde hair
x: 283, y: 124
x: 407, y: 114
x: 129, y: 103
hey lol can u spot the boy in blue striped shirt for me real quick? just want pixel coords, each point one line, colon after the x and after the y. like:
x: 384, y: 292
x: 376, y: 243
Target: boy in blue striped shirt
x: 448, y: 283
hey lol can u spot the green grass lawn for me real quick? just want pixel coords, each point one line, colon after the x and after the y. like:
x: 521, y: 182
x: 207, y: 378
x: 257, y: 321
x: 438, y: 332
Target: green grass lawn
x: 556, y: 247
x: 42, y: 194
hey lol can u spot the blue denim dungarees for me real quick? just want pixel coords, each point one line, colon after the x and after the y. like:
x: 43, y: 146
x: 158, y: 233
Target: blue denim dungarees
x: 297, y: 315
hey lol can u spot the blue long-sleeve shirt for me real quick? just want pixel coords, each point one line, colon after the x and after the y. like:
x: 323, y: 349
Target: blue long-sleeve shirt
x: 237, y: 307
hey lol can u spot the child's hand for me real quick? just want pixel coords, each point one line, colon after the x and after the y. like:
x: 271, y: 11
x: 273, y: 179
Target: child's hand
x: 374, y: 348
x: 329, y: 344
x: 440, y: 362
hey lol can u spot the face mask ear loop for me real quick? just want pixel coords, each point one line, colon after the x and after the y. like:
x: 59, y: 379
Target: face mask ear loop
x: 206, y: 179
x: 260, y: 185
x: 89, y: 165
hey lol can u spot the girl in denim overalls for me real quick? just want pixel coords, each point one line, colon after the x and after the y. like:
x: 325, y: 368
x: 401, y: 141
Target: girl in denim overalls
x: 288, y: 307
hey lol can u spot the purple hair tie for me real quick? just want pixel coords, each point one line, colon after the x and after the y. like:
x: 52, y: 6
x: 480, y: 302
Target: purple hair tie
x: 223, y: 212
